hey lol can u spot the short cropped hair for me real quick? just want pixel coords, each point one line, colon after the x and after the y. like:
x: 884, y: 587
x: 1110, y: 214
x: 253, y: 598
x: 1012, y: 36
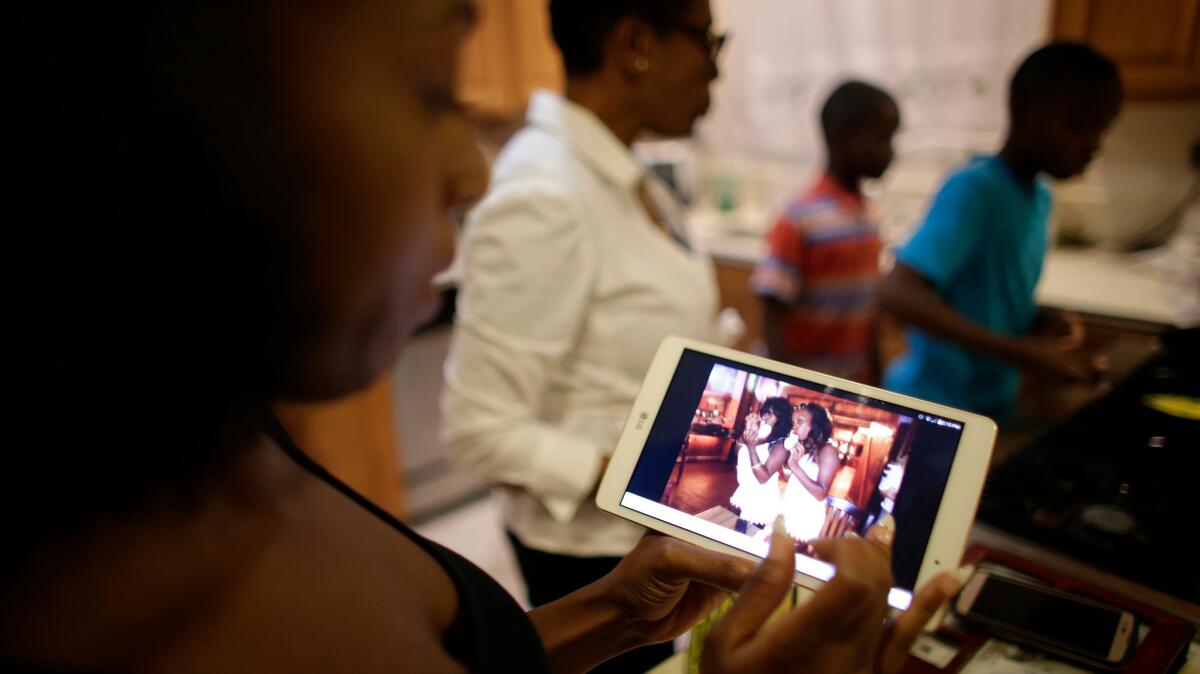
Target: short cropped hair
x: 1063, y: 71
x: 579, y: 27
x: 852, y: 105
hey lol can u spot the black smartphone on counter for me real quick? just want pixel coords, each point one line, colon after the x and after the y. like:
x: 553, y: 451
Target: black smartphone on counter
x: 1052, y: 620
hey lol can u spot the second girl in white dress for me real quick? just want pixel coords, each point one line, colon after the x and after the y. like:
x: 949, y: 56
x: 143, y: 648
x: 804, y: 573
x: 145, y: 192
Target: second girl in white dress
x: 814, y: 464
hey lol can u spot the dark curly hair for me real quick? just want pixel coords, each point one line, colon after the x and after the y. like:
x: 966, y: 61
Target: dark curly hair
x: 822, y: 427
x: 782, y: 409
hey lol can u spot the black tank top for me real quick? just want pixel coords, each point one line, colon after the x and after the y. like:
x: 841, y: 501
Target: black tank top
x: 490, y: 632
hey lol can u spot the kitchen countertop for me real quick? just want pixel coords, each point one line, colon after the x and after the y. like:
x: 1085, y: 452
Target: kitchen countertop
x: 1133, y: 287
x: 677, y: 664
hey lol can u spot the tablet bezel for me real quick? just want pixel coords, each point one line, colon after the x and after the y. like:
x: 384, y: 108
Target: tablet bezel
x: 952, y: 524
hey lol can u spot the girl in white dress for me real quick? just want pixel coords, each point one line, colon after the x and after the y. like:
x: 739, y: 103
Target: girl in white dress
x: 814, y: 464
x: 761, y: 454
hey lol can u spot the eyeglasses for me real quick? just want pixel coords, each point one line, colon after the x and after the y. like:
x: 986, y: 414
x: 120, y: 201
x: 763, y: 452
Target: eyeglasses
x: 711, y: 43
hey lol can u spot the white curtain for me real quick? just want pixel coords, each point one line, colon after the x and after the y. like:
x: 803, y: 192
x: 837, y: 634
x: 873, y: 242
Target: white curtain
x: 947, y: 62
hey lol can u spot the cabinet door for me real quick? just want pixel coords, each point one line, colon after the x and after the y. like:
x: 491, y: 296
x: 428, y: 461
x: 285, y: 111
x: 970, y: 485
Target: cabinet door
x: 510, y: 54
x: 485, y: 79
x: 1156, y: 43
x: 733, y: 283
x: 536, y: 58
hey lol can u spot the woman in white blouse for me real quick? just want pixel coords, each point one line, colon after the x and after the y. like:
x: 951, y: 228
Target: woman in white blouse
x: 574, y: 267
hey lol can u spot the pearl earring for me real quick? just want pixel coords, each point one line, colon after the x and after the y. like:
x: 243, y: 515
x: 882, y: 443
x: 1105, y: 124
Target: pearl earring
x: 642, y: 64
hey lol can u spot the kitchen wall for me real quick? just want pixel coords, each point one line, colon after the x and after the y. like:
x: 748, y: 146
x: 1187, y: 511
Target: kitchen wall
x: 1140, y: 177
x: 946, y: 62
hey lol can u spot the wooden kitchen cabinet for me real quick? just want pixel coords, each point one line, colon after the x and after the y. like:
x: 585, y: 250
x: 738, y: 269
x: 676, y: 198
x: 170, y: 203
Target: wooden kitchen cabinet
x: 1156, y: 43
x: 733, y: 284
x: 509, y: 55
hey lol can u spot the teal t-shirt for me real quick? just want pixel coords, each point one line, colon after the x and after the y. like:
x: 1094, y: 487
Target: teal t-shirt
x: 981, y: 246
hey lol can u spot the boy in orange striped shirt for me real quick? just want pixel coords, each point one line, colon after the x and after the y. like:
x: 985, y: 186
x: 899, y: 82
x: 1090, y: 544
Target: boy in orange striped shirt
x: 820, y: 278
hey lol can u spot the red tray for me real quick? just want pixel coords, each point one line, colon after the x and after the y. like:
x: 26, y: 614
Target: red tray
x: 1161, y: 652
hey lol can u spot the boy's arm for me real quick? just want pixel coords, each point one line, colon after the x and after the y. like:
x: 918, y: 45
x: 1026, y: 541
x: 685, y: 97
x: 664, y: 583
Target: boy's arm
x: 955, y: 227
x: 911, y: 297
x: 777, y: 281
x: 774, y: 312
x: 875, y: 350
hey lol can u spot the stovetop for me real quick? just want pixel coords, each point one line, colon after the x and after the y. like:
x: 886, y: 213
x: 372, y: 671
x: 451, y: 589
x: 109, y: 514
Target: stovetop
x: 1117, y: 485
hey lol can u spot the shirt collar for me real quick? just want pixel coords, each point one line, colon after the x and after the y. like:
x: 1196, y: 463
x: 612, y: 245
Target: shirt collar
x: 828, y: 186
x: 586, y: 135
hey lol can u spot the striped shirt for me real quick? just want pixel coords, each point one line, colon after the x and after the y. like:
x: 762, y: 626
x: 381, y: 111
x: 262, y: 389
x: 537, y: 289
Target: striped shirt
x: 823, y: 265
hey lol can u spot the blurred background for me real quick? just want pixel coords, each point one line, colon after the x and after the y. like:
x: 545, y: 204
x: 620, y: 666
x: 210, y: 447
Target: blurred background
x: 1127, y: 233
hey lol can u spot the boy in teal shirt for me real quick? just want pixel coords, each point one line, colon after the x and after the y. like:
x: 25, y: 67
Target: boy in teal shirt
x: 965, y: 281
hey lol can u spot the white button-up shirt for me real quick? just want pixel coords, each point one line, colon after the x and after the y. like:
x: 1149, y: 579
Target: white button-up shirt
x: 567, y: 288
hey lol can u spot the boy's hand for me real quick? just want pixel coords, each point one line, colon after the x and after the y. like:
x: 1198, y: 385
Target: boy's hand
x: 1065, y: 328
x: 1048, y: 357
x: 1073, y: 330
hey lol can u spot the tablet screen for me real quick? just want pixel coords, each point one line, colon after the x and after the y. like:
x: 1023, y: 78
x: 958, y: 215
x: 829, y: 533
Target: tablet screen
x: 832, y: 462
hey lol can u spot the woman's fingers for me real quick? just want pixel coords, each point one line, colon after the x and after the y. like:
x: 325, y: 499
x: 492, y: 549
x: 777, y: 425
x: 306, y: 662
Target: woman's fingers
x: 858, y: 590
x: 838, y: 628
x: 681, y: 561
x: 762, y: 593
x: 904, y: 631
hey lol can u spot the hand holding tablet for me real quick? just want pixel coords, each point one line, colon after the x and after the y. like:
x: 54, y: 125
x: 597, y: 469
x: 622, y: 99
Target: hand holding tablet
x: 663, y: 586
x: 815, y: 451
x: 840, y: 630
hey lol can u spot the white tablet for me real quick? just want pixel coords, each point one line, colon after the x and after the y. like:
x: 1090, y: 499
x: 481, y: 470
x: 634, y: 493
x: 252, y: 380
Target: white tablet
x: 831, y: 455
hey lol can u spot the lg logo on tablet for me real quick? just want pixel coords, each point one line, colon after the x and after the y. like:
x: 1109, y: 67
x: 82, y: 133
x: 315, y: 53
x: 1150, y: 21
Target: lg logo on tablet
x: 641, y: 420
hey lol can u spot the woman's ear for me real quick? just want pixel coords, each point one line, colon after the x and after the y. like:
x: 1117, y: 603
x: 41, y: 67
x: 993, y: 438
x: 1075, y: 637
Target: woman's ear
x: 631, y: 46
